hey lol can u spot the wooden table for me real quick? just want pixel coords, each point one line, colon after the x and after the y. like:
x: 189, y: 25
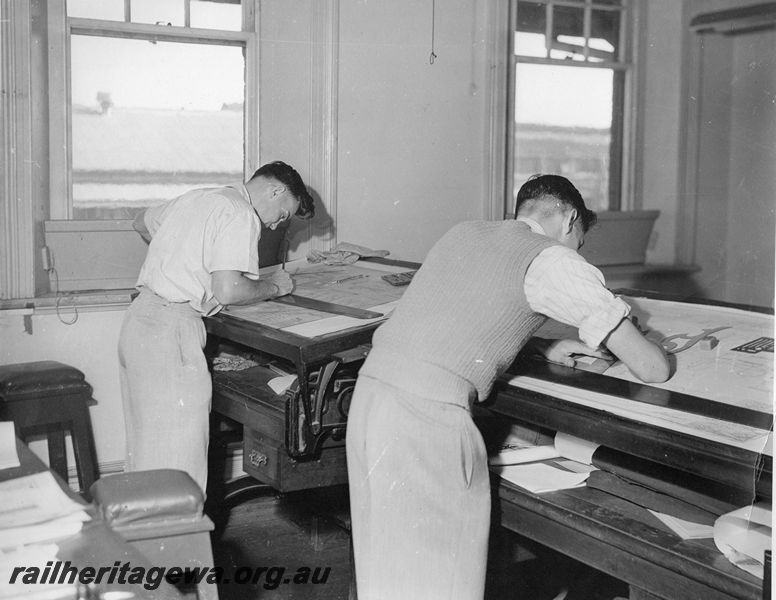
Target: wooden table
x: 625, y: 541
x: 297, y: 440
x: 599, y: 529
x: 611, y: 534
x: 96, y: 545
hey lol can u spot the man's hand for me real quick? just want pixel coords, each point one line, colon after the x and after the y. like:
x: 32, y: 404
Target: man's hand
x: 283, y: 281
x: 564, y: 351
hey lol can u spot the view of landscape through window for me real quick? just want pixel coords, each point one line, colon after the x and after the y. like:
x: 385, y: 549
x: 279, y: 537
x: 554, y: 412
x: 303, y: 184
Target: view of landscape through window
x: 563, y: 121
x: 565, y: 111
x: 152, y: 119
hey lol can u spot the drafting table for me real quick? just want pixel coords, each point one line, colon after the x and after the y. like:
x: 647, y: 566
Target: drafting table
x: 290, y: 444
x: 296, y: 440
x: 713, y: 419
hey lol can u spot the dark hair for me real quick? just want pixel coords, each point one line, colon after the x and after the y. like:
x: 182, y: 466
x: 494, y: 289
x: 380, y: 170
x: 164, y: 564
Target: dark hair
x: 559, y: 188
x: 288, y: 176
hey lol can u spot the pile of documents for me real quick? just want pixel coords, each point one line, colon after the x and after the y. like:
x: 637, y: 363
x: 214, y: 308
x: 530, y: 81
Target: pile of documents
x: 35, y: 509
x: 530, y: 467
x: 567, y: 462
x: 34, y: 513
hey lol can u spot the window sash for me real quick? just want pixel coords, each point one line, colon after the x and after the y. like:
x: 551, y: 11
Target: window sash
x: 61, y: 29
x: 622, y: 149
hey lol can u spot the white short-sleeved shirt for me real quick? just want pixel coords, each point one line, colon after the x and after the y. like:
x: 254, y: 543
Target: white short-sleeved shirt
x: 561, y: 284
x: 202, y: 231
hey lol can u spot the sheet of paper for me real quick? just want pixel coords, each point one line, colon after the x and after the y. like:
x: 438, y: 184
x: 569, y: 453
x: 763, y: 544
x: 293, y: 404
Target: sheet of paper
x: 516, y: 456
x: 564, y: 445
x: 280, y: 385
x: 724, y: 432
x: 744, y: 535
x: 358, y: 285
x: 540, y: 477
x: 36, y: 502
x: 577, y: 449
x: 45, y: 531
x: 9, y: 457
x: 687, y: 530
x: 734, y: 371
x: 572, y: 465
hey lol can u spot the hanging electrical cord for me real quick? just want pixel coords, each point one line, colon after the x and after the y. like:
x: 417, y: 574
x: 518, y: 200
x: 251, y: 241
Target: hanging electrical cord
x: 432, y: 56
x: 60, y: 296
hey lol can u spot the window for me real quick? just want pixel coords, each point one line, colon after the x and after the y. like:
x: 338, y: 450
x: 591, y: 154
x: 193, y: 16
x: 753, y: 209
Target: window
x: 570, y: 70
x: 156, y: 103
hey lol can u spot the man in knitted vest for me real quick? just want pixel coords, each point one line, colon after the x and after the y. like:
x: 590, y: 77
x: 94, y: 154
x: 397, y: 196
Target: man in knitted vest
x: 417, y: 466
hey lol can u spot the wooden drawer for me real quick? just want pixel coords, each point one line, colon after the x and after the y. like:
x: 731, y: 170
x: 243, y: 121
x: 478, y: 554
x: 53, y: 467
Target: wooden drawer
x: 267, y: 460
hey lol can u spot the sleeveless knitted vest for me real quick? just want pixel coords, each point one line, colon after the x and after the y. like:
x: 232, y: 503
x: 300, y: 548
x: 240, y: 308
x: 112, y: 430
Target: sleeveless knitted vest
x: 465, y: 313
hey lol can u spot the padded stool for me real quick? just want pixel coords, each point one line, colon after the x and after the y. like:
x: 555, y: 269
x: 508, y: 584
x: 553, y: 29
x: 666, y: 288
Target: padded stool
x: 51, y: 398
x: 160, y: 512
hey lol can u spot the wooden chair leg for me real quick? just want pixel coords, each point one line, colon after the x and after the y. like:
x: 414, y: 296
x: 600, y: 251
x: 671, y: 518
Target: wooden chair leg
x: 57, y: 452
x: 85, y: 456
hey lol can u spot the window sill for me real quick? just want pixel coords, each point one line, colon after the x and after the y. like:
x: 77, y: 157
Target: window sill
x: 87, y: 300
x: 93, y: 255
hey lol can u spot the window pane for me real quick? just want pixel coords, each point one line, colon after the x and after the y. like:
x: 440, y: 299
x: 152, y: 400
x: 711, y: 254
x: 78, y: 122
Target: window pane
x: 162, y: 12
x: 151, y: 120
x: 531, y: 29
x: 216, y: 15
x: 568, y: 40
x: 109, y: 10
x: 605, y: 34
x: 563, y: 125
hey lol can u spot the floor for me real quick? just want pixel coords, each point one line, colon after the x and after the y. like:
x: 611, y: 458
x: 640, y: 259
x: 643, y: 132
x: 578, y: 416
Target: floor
x: 302, y: 542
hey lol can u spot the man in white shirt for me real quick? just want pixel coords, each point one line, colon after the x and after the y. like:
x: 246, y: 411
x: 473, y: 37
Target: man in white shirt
x: 202, y: 256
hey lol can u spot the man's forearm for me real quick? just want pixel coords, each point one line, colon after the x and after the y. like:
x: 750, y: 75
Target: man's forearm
x: 233, y: 288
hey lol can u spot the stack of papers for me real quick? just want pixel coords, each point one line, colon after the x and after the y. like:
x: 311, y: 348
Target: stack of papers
x: 521, y: 465
x: 35, y: 509
x: 687, y: 530
x: 540, y: 477
x: 9, y: 458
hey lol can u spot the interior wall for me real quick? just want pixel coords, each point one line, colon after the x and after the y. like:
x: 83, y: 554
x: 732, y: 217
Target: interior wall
x: 658, y: 168
x: 749, y: 269
x: 90, y: 344
x: 286, y: 99
x: 732, y: 224
x: 411, y: 136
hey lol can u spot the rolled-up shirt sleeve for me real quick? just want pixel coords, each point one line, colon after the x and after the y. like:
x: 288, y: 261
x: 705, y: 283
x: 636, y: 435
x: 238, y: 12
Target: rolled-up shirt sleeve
x: 153, y: 217
x: 562, y: 285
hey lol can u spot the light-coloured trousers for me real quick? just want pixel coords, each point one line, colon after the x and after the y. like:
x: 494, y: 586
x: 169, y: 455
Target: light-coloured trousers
x: 165, y: 386
x: 419, y: 495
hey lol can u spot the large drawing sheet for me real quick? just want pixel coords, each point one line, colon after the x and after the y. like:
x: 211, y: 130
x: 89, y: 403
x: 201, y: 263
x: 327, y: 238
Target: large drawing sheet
x: 724, y: 373
x: 358, y: 285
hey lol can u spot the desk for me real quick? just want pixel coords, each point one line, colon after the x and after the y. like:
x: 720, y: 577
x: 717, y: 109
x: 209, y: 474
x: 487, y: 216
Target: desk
x: 284, y: 436
x: 96, y: 545
x: 596, y: 528
x: 625, y: 541
x: 616, y: 536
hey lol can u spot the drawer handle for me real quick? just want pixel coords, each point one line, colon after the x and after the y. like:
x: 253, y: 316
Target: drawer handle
x: 257, y: 459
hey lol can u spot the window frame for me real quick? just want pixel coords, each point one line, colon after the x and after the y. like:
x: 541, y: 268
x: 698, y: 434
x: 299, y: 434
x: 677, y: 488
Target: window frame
x: 623, y: 154
x: 62, y: 27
